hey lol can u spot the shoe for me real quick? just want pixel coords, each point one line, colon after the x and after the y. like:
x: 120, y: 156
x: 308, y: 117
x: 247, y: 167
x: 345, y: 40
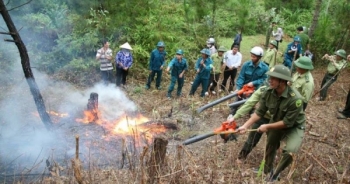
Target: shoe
x: 320, y: 99
x: 213, y: 92
x: 191, y: 83
x: 220, y: 90
x: 340, y: 110
x: 342, y: 116
x: 159, y: 88
x: 206, y: 94
x: 147, y: 87
x: 272, y: 178
x: 239, y: 161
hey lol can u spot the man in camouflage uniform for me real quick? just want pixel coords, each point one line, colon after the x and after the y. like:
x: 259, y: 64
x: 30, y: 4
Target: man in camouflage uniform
x: 287, y: 120
x: 336, y: 63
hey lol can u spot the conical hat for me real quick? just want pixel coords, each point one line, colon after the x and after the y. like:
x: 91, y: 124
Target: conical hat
x: 126, y: 46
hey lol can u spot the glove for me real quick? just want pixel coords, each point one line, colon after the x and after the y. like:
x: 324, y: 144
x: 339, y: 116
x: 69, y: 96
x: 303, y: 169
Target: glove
x: 230, y: 118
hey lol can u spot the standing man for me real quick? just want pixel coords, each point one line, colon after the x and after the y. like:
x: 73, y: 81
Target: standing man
x: 287, y: 120
x: 156, y: 64
x: 203, y: 67
x: 305, y: 39
x: 211, y: 45
x: 104, y: 56
x: 253, y: 72
x: 237, y: 40
x: 215, y: 73
x: 278, y: 35
x: 270, y: 57
x: 336, y: 63
x: 232, y: 60
x: 293, y: 52
x: 178, y: 66
x: 345, y: 113
x: 302, y: 79
x: 123, y: 61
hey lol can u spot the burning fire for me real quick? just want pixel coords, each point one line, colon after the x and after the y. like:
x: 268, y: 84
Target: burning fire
x: 54, y: 115
x: 139, y: 126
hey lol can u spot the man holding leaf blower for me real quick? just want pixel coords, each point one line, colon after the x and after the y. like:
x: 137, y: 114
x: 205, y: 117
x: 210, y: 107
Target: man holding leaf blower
x: 287, y: 121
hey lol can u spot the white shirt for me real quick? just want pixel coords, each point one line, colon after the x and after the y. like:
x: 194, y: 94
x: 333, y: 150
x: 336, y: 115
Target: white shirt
x: 232, y: 60
x: 278, y: 34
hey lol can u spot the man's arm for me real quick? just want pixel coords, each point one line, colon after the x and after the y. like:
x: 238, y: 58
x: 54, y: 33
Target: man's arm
x: 249, y: 104
x: 170, y: 65
x: 240, y: 79
x: 259, y: 81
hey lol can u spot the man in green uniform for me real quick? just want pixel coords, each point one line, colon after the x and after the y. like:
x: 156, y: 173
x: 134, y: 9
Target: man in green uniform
x: 178, y: 66
x: 302, y: 80
x: 215, y: 73
x: 304, y: 40
x: 287, y: 120
x: 336, y: 63
x: 270, y: 57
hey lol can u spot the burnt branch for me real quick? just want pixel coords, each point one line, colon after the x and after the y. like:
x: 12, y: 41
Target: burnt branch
x: 19, y: 5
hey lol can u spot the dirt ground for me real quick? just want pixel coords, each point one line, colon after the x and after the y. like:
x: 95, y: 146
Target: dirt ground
x: 323, y: 158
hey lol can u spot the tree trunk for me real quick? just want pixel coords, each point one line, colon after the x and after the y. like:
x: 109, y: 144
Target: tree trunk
x: 268, y: 35
x: 315, y: 18
x: 38, y: 99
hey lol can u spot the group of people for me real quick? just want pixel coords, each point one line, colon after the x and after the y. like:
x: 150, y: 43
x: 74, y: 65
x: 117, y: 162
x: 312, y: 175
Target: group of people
x: 283, y: 95
x: 123, y: 62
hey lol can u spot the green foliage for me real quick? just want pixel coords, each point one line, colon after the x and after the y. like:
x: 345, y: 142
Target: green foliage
x: 294, y: 19
x: 292, y: 5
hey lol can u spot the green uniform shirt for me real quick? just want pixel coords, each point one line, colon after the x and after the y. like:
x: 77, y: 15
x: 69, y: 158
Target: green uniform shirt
x: 287, y: 108
x: 270, y: 57
x: 217, y: 63
x: 251, y: 102
x: 333, y: 68
x: 304, y: 83
x: 304, y: 41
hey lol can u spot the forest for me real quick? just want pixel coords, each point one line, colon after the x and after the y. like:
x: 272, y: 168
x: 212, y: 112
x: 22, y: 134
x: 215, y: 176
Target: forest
x: 62, y: 38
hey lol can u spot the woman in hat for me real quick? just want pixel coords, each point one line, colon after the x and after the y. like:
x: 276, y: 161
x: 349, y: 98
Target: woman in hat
x: 271, y: 54
x: 123, y: 61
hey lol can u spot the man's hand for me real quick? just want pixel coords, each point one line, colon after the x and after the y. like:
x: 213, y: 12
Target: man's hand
x: 348, y: 57
x: 161, y: 67
x: 250, y: 84
x: 181, y: 75
x: 150, y: 71
x: 197, y: 70
x: 125, y: 68
x: 202, y: 62
x: 242, y: 129
x: 230, y: 118
x: 263, y: 128
x: 120, y: 64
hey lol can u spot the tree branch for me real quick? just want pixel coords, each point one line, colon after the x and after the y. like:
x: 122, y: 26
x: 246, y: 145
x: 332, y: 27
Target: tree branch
x: 7, y: 2
x: 19, y: 5
x: 7, y: 33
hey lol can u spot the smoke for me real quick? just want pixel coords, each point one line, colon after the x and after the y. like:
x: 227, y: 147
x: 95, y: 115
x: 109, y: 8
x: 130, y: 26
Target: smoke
x: 24, y: 139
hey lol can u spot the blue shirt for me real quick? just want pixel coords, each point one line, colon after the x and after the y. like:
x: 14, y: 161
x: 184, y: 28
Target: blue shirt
x: 290, y: 56
x: 250, y: 73
x: 177, y: 67
x: 157, y: 59
x: 204, y: 72
x: 125, y: 59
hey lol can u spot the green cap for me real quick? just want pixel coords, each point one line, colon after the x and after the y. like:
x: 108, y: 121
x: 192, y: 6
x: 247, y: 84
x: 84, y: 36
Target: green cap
x: 304, y: 63
x: 206, y: 51
x: 281, y: 72
x: 341, y: 53
x: 274, y: 43
x: 179, y: 52
x: 222, y: 49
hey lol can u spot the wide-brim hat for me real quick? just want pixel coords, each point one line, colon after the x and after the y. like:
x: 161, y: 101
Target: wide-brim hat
x: 280, y: 72
x: 304, y: 63
x: 206, y: 51
x: 222, y: 49
x: 274, y: 43
x: 126, y: 46
x: 341, y: 53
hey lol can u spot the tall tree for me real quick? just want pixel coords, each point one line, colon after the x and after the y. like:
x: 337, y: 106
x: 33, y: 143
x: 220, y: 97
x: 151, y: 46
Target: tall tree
x: 315, y: 17
x: 34, y: 89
